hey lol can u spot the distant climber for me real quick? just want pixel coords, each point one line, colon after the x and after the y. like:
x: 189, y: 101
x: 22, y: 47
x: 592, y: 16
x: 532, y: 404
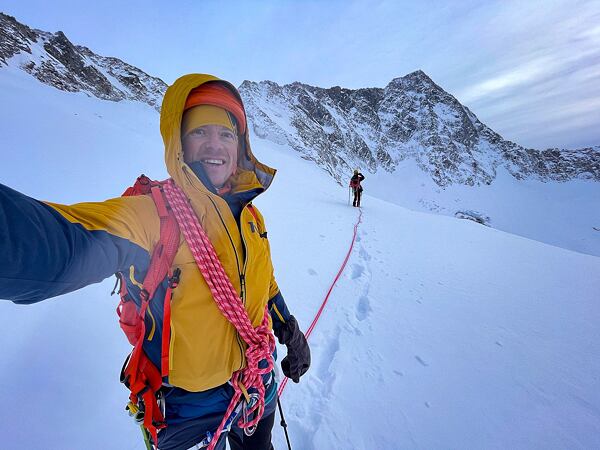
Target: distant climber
x: 356, y: 187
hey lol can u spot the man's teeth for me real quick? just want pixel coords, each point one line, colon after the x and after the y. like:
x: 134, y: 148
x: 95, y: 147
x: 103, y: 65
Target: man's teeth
x: 218, y: 162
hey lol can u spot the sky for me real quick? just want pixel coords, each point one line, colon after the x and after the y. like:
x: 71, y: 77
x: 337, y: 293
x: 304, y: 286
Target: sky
x: 528, y: 69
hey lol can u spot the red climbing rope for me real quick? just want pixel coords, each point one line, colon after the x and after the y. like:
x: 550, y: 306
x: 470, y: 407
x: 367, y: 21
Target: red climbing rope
x: 316, y: 319
x: 260, y: 340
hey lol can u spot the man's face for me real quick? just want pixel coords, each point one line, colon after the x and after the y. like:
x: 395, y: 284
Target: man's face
x: 216, y: 147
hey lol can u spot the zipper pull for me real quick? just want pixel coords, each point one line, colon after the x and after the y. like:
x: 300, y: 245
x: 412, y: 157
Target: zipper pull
x: 243, y: 285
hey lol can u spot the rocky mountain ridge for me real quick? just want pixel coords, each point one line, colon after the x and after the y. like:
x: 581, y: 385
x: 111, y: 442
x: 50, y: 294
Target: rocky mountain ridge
x: 412, y: 118
x: 54, y: 60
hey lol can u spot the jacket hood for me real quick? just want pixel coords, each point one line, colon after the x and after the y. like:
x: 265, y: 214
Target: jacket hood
x: 170, y: 129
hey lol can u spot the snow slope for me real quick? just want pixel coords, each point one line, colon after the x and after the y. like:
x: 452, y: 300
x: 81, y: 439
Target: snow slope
x: 564, y: 214
x: 441, y: 333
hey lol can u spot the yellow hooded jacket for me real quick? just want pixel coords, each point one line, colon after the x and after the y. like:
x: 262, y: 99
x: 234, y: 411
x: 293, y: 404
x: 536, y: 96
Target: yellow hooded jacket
x: 205, y: 348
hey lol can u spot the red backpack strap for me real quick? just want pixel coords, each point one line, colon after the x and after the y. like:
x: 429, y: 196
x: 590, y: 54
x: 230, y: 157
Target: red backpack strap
x: 160, y: 265
x: 139, y: 374
x: 164, y: 251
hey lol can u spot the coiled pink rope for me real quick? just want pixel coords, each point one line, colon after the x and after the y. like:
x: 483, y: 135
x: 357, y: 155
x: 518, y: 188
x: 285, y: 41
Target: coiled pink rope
x: 260, y: 340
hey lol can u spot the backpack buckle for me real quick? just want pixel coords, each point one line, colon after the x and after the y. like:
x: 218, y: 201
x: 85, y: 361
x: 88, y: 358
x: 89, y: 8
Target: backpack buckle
x: 174, y: 279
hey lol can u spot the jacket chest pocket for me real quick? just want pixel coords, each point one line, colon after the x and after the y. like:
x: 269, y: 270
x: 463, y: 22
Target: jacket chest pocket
x: 258, y: 253
x: 255, y: 237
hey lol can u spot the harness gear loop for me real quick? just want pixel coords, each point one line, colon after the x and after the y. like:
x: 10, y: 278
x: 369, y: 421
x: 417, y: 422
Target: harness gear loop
x: 260, y: 340
x: 244, y: 391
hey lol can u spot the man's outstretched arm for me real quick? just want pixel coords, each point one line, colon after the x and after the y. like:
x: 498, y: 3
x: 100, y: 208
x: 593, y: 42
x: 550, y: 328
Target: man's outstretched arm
x: 48, y: 250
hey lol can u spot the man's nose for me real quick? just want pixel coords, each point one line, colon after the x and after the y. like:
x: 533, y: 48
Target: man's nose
x: 213, y: 139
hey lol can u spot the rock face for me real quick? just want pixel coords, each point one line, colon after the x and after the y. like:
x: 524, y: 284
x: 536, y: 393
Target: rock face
x: 412, y: 117
x: 54, y: 60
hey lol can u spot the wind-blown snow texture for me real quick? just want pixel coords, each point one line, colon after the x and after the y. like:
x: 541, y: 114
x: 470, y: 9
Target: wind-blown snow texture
x: 441, y: 333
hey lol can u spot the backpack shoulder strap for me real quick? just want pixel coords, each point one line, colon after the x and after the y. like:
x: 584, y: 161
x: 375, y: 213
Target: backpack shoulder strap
x: 164, y: 252
x: 139, y: 374
x: 160, y: 266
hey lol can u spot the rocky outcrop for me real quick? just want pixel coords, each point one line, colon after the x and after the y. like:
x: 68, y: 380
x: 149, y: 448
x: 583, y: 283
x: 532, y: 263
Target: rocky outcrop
x: 56, y: 61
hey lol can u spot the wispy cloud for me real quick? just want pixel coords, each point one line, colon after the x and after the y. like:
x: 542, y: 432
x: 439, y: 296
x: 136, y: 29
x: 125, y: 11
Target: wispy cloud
x: 512, y: 79
x: 544, y: 76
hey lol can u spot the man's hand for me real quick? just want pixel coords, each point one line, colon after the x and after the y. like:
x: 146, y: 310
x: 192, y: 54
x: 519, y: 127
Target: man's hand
x: 297, y: 361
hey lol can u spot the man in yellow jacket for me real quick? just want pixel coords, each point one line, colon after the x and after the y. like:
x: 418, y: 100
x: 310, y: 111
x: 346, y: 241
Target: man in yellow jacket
x: 208, y: 156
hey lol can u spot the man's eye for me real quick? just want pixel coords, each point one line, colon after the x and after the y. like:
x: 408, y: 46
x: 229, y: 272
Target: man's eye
x: 197, y: 132
x: 228, y: 135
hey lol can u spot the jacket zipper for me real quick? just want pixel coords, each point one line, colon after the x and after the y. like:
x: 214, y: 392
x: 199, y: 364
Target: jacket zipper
x: 242, y: 281
x: 243, y: 275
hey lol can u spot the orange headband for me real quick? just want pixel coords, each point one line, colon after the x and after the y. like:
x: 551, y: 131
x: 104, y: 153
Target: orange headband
x: 216, y: 94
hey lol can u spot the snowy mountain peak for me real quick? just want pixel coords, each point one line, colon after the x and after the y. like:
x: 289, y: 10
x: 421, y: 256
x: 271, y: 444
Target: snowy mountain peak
x: 412, y: 118
x: 53, y: 59
x: 416, y: 77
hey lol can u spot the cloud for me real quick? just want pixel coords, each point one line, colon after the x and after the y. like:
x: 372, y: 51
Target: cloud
x: 542, y: 75
x: 501, y: 84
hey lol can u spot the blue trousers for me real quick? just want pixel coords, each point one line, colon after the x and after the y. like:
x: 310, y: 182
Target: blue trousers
x: 186, y: 434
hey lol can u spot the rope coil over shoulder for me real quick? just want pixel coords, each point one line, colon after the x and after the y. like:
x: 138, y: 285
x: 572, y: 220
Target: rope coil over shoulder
x: 260, y: 340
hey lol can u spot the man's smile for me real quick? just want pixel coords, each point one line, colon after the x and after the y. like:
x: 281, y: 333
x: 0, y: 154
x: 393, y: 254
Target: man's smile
x: 213, y: 161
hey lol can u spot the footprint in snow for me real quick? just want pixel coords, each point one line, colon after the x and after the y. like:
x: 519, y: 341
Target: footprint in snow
x: 357, y: 271
x: 327, y: 359
x: 364, y: 308
x: 364, y: 254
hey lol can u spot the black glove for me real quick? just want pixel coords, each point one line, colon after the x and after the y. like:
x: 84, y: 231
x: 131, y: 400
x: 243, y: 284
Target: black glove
x: 297, y: 361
